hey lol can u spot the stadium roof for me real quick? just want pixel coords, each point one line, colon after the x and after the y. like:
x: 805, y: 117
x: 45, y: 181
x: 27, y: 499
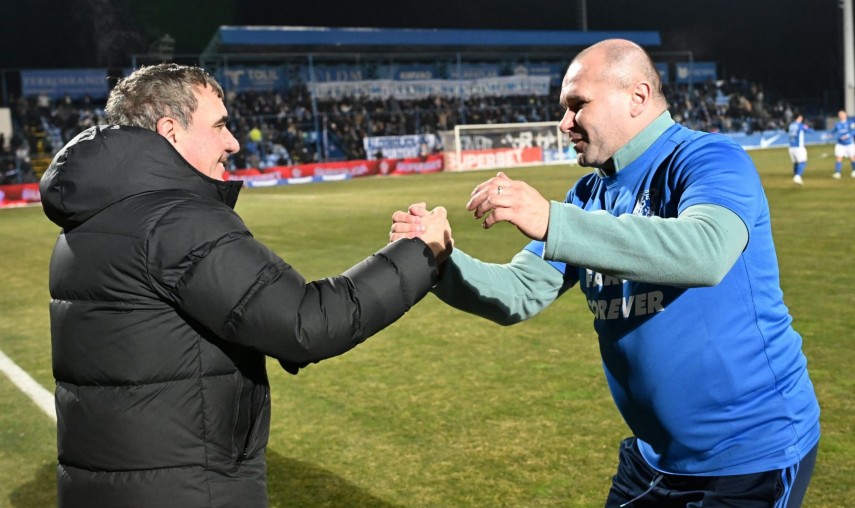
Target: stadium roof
x: 289, y: 39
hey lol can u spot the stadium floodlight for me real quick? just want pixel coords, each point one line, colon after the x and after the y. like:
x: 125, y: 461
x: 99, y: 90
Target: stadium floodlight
x: 490, y: 146
x: 848, y: 57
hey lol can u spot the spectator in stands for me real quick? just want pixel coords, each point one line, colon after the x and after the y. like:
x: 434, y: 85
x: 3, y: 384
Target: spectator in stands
x: 284, y: 116
x: 798, y: 152
x: 164, y: 305
x: 23, y: 164
x: 670, y: 241
x: 844, y: 147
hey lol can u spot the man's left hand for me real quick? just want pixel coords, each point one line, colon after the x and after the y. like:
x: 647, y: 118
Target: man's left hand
x: 514, y: 201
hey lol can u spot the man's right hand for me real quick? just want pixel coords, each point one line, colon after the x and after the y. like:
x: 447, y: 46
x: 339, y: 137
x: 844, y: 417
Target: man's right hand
x: 431, y: 226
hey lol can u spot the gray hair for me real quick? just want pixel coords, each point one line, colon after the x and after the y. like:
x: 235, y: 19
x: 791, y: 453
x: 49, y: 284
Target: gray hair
x: 151, y: 93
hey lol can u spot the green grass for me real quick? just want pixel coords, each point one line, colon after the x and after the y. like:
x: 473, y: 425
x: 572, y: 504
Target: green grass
x: 443, y: 409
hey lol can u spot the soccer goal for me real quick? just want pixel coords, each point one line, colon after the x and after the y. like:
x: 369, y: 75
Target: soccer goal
x: 490, y: 146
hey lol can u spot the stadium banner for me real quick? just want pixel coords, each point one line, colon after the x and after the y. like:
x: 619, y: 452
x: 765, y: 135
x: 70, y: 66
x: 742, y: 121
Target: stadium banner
x: 334, y: 171
x: 566, y: 155
x: 22, y: 194
x: 776, y: 138
x: 260, y: 78
x: 467, y: 160
x: 411, y: 72
x: 332, y: 73
x: 419, y: 89
x: 355, y: 168
x: 399, y: 147
x: 292, y: 181
x: 473, y: 71
x: 413, y: 166
x: 520, y: 137
x: 57, y: 83
x: 694, y: 72
x: 554, y: 71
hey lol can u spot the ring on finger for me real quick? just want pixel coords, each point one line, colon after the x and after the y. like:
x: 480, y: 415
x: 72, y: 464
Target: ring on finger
x: 499, y: 190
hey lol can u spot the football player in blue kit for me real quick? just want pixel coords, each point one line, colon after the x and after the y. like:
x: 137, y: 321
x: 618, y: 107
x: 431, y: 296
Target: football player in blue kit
x: 798, y: 152
x: 844, y: 147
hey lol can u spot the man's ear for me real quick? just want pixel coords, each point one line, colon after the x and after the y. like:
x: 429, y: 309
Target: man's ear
x: 168, y: 128
x: 641, y: 96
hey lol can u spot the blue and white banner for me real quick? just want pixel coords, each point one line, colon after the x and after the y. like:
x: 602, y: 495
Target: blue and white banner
x: 554, y: 71
x: 473, y: 71
x: 414, y: 72
x: 694, y: 72
x: 399, y: 147
x: 420, y: 89
x: 332, y: 73
x: 777, y: 139
x: 57, y: 83
x: 261, y: 78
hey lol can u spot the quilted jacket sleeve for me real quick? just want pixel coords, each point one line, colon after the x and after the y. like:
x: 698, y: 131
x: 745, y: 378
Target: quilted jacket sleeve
x: 238, y: 289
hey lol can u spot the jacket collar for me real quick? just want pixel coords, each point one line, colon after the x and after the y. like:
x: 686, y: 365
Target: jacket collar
x: 105, y: 164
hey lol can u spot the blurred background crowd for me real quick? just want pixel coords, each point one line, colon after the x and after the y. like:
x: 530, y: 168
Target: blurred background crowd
x: 279, y: 128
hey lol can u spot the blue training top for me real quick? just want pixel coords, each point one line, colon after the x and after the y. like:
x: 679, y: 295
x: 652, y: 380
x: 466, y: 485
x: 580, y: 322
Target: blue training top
x: 796, y: 134
x: 712, y: 380
x: 842, y: 132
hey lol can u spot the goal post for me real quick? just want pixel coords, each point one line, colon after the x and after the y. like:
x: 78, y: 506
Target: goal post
x: 490, y: 146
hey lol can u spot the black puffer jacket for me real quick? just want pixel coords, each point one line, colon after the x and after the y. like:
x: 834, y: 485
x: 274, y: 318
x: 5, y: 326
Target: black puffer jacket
x: 163, y: 309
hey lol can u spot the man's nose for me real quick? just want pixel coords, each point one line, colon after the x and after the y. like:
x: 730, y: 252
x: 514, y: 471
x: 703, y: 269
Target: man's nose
x: 232, y: 145
x: 567, y: 121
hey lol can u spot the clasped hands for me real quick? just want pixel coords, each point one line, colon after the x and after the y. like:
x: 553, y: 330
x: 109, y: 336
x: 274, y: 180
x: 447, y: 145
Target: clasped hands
x: 497, y: 199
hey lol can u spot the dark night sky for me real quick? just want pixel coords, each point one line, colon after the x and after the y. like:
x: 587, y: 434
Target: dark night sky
x: 793, y: 47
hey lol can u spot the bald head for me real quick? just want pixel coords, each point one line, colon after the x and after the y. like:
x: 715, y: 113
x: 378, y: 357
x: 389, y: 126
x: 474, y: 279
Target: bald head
x: 610, y: 93
x: 623, y: 65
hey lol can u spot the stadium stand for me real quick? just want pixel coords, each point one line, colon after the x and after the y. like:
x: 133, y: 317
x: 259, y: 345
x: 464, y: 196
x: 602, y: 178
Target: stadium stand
x: 284, y: 124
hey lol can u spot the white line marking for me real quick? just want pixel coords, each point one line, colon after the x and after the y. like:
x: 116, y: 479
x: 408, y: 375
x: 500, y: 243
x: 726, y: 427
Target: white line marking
x: 31, y: 388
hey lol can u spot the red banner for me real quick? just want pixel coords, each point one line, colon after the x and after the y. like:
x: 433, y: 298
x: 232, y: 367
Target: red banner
x: 414, y: 165
x: 351, y: 168
x: 19, y: 195
x: 495, y: 158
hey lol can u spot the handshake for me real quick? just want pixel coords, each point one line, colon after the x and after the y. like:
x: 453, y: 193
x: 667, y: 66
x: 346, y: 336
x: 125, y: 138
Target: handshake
x: 431, y: 226
x: 498, y: 199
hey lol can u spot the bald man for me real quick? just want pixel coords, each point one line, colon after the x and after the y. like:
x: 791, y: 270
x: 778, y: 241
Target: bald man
x: 669, y: 240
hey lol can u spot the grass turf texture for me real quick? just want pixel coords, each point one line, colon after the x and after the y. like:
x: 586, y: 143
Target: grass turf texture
x: 443, y: 409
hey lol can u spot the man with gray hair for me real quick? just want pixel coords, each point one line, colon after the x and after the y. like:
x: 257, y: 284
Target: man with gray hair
x: 163, y: 306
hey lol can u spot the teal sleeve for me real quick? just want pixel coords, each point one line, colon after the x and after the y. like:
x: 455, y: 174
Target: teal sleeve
x: 503, y: 293
x: 696, y: 249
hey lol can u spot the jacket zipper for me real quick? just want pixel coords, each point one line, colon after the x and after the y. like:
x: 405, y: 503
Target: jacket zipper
x: 254, y: 429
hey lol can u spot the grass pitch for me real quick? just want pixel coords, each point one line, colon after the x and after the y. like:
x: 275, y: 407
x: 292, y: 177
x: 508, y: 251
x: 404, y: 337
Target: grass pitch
x: 443, y: 409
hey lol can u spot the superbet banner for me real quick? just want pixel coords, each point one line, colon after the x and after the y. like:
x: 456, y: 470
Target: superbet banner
x: 493, y: 158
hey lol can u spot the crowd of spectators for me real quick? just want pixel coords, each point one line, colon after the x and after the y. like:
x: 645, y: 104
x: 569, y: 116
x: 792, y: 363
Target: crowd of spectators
x: 287, y: 123
x: 15, y: 162
x: 728, y: 106
x: 279, y: 128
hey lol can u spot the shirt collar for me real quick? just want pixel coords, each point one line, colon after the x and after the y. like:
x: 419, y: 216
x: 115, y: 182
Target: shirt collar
x: 636, y: 146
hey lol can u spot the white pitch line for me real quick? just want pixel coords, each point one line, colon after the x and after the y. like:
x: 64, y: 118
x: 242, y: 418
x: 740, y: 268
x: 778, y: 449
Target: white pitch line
x: 28, y: 385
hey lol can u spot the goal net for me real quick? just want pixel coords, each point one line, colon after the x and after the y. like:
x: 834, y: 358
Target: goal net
x: 490, y: 146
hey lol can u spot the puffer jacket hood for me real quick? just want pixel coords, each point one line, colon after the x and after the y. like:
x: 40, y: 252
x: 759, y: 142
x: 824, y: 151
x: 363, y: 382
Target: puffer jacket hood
x: 105, y: 164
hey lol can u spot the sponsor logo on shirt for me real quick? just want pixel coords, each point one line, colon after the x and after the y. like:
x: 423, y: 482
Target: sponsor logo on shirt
x: 647, y: 204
